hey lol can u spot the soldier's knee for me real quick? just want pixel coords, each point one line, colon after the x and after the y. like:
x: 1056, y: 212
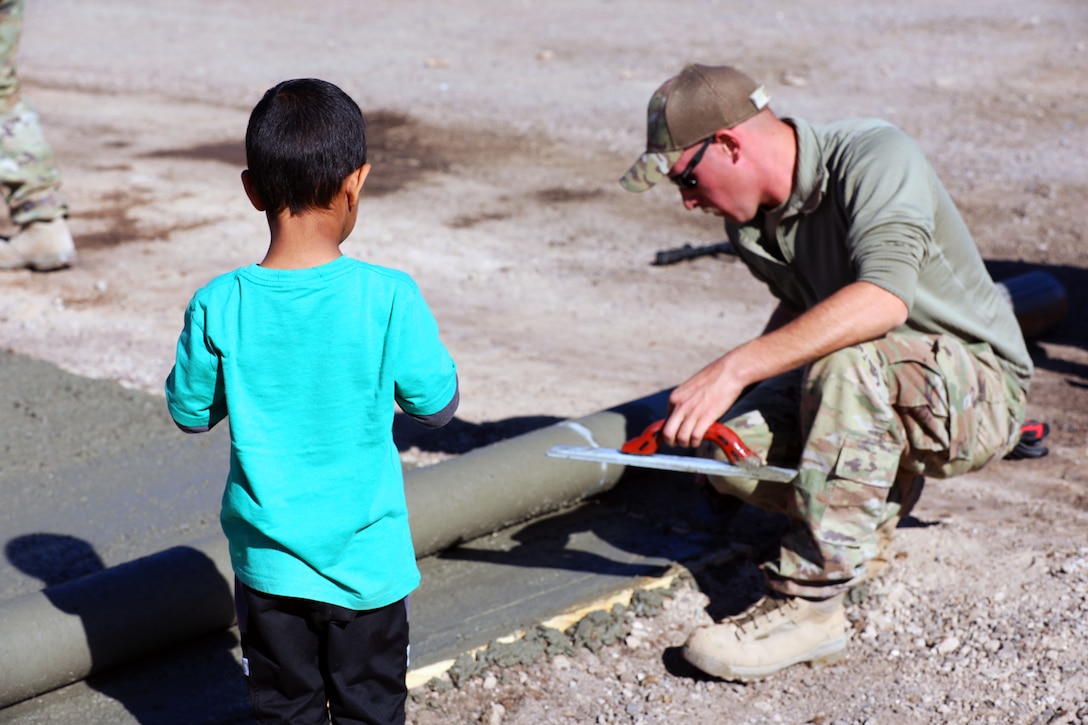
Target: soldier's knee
x: 841, y: 362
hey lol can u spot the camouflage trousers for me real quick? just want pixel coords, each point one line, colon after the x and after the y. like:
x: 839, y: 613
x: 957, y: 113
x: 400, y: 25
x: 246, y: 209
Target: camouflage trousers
x: 864, y: 425
x: 29, y: 179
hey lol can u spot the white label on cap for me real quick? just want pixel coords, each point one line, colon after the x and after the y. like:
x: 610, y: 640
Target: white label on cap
x: 661, y: 161
x: 760, y: 98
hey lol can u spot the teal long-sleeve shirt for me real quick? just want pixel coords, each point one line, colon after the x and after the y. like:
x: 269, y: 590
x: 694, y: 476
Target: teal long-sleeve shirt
x: 307, y: 364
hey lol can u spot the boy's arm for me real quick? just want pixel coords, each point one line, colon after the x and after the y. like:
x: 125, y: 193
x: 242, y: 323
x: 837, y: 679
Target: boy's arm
x: 439, y: 419
x: 194, y: 389
x: 426, y: 386
x: 193, y: 429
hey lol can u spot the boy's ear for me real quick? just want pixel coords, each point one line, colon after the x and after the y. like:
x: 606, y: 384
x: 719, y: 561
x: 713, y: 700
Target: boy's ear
x: 251, y: 191
x: 353, y: 185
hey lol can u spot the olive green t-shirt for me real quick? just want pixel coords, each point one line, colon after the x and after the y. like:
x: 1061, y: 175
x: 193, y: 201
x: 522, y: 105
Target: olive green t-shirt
x: 867, y: 206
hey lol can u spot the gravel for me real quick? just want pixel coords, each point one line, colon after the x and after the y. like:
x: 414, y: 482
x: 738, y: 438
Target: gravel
x: 920, y: 652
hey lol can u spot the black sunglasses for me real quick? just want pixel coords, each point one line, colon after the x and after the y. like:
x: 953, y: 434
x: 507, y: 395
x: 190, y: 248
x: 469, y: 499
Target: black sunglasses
x: 685, y: 180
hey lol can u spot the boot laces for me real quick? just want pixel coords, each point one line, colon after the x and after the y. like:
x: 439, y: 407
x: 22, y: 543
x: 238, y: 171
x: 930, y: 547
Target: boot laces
x: 767, y: 610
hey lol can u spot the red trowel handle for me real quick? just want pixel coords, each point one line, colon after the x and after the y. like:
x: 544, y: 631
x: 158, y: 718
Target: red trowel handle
x: 734, y: 448
x: 738, y: 454
x: 646, y: 443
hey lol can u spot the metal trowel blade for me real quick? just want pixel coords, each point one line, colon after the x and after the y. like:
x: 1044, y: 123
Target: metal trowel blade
x: 665, y: 462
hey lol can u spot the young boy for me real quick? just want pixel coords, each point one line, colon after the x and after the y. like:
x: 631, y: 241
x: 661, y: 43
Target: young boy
x: 306, y: 353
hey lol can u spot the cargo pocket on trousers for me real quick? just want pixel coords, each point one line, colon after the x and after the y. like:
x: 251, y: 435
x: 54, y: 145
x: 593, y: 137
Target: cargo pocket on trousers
x: 922, y: 404
x: 856, y: 493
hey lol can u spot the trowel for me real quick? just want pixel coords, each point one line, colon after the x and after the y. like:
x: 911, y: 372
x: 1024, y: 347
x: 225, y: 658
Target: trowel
x: 642, y: 452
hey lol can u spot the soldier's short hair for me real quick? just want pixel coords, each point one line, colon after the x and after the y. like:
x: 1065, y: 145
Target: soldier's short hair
x: 305, y: 136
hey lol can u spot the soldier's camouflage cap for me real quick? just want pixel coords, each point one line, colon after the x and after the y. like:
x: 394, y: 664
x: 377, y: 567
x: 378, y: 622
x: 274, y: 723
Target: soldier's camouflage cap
x: 688, y: 108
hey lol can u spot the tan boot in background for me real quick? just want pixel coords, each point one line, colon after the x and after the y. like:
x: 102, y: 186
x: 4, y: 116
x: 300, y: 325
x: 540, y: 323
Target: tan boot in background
x: 41, y: 246
x: 773, y: 634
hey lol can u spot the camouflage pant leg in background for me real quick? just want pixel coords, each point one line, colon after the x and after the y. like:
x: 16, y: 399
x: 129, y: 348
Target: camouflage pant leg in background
x: 29, y: 177
x: 873, y: 419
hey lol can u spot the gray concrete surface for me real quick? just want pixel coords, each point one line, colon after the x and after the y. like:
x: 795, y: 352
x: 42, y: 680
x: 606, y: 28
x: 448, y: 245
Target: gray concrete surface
x: 470, y: 596
x: 81, y: 626
x: 82, y: 476
x: 135, y: 479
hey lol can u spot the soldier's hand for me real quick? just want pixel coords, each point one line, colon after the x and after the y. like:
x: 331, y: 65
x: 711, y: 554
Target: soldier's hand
x: 699, y: 402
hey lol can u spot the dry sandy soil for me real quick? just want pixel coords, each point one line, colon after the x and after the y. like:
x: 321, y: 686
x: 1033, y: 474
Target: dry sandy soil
x: 497, y: 137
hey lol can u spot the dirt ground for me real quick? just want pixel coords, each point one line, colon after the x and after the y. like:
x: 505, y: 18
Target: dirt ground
x: 497, y: 137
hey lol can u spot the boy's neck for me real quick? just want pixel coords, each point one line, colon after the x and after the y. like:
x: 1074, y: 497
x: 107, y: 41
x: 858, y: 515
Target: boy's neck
x: 312, y: 237
x: 301, y: 241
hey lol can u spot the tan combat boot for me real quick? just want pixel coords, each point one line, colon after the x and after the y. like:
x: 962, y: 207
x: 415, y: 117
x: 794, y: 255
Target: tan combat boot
x: 774, y: 633
x: 41, y: 246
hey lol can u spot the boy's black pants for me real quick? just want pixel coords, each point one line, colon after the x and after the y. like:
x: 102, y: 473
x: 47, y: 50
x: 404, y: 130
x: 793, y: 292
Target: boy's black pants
x: 300, y: 655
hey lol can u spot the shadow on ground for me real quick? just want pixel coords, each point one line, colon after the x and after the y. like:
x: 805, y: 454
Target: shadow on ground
x: 460, y: 436
x: 1071, y: 329
x: 147, y: 687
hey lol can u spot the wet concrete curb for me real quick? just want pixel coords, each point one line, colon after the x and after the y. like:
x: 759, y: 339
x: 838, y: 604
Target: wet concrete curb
x: 70, y: 631
x: 67, y: 632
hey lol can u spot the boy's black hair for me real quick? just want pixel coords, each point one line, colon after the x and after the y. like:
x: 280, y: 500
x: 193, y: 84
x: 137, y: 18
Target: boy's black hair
x: 304, y: 137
